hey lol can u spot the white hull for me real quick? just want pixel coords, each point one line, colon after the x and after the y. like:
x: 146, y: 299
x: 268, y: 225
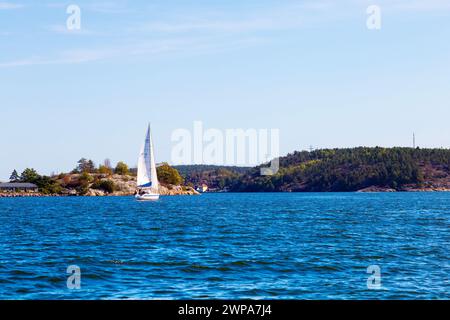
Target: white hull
x: 147, y: 197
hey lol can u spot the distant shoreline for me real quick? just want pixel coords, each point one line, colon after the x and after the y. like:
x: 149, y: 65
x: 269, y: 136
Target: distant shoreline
x: 360, y: 169
x: 41, y: 195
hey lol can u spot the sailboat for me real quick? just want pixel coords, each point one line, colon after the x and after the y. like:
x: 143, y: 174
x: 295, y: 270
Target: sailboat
x: 147, y: 178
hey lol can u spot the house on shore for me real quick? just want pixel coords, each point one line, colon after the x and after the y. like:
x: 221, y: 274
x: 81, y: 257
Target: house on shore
x: 202, y: 188
x: 18, y: 187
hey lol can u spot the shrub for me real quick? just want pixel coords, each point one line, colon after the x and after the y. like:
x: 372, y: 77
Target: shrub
x: 105, y: 170
x: 105, y: 185
x: 85, y: 178
x: 83, y: 189
x: 121, y: 168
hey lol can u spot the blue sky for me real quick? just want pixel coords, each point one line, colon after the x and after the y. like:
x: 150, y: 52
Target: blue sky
x: 310, y: 68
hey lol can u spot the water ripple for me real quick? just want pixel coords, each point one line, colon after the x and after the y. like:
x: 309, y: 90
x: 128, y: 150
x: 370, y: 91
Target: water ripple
x: 227, y: 246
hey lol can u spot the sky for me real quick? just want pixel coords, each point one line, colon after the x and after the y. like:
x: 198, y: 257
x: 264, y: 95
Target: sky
x: 311, y: 69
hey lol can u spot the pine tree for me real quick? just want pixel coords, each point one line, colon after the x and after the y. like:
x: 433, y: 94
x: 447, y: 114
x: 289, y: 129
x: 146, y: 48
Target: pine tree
x: 14, y: 176
x: 85, y: 165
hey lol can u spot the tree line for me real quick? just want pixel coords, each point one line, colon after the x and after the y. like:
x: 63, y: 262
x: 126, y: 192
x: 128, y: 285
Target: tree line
x: 349, y: 169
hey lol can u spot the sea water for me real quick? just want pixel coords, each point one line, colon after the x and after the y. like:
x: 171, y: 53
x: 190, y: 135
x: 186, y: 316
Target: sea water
x: 230, y: 246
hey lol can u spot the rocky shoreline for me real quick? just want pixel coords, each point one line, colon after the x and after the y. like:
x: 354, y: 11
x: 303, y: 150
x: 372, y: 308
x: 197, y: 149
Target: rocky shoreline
x: 164, y: 191
x: 123, y: 186
x: 180, y: 191
x: 405, y: 189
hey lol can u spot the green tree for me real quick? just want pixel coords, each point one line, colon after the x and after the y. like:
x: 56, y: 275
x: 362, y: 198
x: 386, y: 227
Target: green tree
x: 169, y: 175
x: 121, y: 168
x: 85, y: 165
x: 14, y: 176
x: 29, y: 175
x: 47, y: 185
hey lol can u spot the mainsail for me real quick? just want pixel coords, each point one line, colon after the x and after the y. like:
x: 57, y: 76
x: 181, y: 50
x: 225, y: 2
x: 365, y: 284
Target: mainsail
x: 147, y: 177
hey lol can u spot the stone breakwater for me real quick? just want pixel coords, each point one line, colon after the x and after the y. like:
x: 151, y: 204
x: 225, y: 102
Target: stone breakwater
x: 20, y: 195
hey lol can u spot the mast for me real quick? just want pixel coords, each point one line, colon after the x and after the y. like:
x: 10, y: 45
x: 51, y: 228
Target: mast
x: 153, y: 173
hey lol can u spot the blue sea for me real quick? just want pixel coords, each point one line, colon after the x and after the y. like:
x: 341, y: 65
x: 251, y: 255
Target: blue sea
x: 228, y: 246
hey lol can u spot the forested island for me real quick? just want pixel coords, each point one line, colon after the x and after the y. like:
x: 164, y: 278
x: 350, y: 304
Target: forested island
x: 337, y: 170
x: 327, y: 170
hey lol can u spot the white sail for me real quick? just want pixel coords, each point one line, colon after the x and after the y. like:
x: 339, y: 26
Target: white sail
x: 147, y: 177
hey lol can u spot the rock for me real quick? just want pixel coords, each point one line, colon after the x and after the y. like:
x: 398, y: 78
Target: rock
x: 377, y: 189
x: 176, y: 190
x: 126, y: 186
x: 21, y: 195
x: 69, y: 192
x: 95, y: 193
